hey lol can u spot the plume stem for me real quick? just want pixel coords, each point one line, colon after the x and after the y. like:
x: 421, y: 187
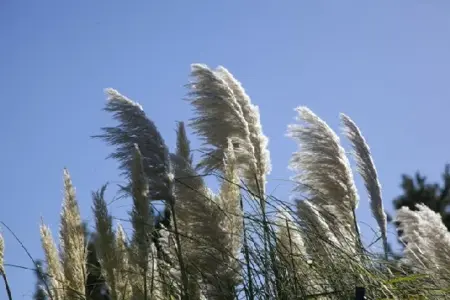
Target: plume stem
x: 8, y: 289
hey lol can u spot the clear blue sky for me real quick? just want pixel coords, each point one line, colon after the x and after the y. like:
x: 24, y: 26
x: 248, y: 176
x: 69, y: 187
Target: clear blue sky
x: 384, y: 63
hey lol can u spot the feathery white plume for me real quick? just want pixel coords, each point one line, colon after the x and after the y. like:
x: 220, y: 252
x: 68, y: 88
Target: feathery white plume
x: 427, y: 240
x: 54, y: 266
x: 135, y: 128
x: 122, y: 270
x: 323, y: 169
x: 319, y: 233
x: 73, y: 247
x: 290, y: 237
x: 252, y: 116
x: 224, y: 112
x: 366, y: 168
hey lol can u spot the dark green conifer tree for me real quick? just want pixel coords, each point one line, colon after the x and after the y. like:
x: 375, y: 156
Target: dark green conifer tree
x: 434, y: 195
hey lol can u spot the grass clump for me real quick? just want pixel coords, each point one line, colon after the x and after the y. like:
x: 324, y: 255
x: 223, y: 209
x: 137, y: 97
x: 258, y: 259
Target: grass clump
x: 237, y: 242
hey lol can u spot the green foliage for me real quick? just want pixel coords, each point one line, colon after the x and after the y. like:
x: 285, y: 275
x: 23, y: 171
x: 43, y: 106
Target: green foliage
x: 434, y: 195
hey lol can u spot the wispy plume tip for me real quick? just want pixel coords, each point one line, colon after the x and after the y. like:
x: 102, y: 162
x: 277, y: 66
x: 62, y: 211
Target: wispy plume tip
x: 114, y: 95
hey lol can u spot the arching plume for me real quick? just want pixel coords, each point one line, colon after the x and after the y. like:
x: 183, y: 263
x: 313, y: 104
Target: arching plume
x: 135, y: 128
x: 251, y: 115
x: 366, y: 168
x: 323, y: 171
x: 224, y: 111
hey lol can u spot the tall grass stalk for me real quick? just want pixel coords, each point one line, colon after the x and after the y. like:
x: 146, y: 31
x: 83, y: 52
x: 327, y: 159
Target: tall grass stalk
x: 237, y: 242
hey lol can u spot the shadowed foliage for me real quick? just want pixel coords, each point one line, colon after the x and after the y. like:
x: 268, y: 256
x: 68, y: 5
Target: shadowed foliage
x: 416, y: 190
